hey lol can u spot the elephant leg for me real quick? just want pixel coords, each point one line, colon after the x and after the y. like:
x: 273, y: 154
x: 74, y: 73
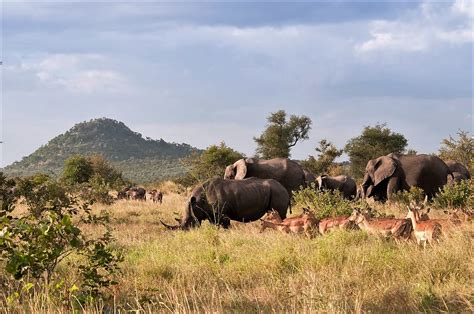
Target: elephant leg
x: 392, y: 187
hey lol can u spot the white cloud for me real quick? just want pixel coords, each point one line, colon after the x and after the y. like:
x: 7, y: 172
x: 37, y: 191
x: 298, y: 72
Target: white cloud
x: 431, y: 24
x: 80, y: 73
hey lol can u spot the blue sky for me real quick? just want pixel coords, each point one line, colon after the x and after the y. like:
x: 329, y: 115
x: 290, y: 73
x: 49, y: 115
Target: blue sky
x: 205, y: 72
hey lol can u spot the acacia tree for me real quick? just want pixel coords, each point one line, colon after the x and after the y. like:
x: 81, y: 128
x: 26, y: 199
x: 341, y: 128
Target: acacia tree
x: 327, y: 154
x: 374, y: 142
x: 460, y: 149
x: 282, y: 134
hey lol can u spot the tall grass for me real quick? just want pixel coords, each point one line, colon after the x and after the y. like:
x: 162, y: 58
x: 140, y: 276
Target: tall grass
x: 241, y: 270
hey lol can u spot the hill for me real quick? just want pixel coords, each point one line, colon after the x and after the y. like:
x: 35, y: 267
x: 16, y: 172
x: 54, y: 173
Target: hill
x: 140, y: 159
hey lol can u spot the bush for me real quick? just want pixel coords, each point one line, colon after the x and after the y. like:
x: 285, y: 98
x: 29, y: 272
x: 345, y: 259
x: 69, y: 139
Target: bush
x: 77, y: 170
x: 34, y: 242
x: 405, y: 198
x: 325, y: 203
x: 458, y: 195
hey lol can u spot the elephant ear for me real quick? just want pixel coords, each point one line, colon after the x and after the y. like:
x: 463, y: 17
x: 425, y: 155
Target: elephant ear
x: 241, y: 169
x: 384, y: 168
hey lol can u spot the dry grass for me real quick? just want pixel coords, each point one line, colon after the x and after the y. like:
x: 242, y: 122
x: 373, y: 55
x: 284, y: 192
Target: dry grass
x: 241, y: 270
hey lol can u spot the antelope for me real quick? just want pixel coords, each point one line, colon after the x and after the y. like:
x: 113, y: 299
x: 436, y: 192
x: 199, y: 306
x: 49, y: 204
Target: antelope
x: 446, y: 224
x: 398, y: 228
x: 424, y: 231
x: 304, y: 223
x: 332, y: 223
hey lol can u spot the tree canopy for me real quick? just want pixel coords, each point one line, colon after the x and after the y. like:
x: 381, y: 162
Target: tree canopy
x: 327, y: 154
x: 460, y: 149
x: 282, y: 134
x: 375, y: 141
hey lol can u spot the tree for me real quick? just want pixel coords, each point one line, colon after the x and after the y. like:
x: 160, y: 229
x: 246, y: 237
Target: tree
x: 460, y: 149
x: 325, y: 160
x: 211, y: 162
x: 374, y: 142
x: 105, y: 172
x: 77, y: 169
x: 281, y: 134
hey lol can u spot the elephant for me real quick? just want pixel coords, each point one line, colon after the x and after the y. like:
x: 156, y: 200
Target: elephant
x: 459, y: 171
x: 136, y: 193
x: 346, y: 185
x: 220, y: 200
x: 289, y: 173
x: 309, y: 178
x: 388, y: 174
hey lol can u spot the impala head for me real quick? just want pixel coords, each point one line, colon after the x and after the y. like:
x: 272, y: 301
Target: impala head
x: 272, y: 215
x: 357, y: 216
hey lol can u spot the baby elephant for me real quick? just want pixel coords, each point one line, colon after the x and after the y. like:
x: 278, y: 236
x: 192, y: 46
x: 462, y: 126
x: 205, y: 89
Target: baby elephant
x: 344, y: 184
x: 305, y: 223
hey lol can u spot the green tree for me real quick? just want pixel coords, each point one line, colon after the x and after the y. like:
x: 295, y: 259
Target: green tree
x: 327, y: 154
x: 104, y: 171
x: 211, y: 162
x: 460, y: 149
x: 77, y: 169
x: 281, y: 134
x: 374, y: 142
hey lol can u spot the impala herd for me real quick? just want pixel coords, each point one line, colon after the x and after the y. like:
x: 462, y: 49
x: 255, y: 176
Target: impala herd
x: 416, y: 226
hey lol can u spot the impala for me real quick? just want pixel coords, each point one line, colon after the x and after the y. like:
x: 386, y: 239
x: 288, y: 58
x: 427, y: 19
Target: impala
x: 426, y: 231
x: 388, y: 227
x: 304, y: 223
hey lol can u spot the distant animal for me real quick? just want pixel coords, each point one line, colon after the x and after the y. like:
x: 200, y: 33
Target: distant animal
x: 426, y: 231
x: 288, y: 172
x: 122, y: 194
x: 344, y: 184
x: 305, y: 223
x: 156, y: 196
x: 341, y: 222
x: 396, y: 172
x: 387, y: 227
x: 137, y: 193
x: 309, y: 178
x: 219, y: 201
x: 459, y: 171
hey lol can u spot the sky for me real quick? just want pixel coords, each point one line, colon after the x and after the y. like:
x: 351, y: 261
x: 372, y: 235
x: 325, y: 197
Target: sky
x: 206, y: 72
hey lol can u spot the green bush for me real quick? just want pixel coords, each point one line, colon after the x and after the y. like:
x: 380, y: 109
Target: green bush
x: 34, y: 242
x: 324, y: 203
x: 458, y: 195
x: 404, y: 198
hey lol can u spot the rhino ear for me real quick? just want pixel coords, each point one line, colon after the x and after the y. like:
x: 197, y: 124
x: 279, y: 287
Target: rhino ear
x: 241, y: 169
x: 384, y: 168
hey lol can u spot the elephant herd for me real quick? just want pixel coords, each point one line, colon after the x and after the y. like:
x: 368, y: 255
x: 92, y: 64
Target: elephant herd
x: 252, y: 187
x: 140, y: 194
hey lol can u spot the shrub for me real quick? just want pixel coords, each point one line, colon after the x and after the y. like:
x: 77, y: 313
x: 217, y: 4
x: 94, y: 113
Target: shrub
x: 34, y: 242
x: 324, y: 203
x: 404, y: 198
x: 458, y: 195
x: 77, y: 169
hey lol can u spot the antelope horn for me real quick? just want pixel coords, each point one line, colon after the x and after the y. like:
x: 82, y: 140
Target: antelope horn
x: 168, y: 226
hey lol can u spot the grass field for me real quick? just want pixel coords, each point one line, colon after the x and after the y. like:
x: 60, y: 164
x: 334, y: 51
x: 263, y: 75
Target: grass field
x: 242, y: 270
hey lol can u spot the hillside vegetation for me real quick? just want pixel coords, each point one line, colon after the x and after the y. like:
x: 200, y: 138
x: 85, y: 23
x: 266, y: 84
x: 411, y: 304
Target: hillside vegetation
x: 140, y: 159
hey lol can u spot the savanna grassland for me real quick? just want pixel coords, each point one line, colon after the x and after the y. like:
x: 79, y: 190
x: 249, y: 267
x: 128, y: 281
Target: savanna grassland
x: 242, y: 270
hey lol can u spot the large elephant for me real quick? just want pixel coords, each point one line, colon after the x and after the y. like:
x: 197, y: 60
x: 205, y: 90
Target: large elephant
x: 219, y: 201
x: 346, y: 185
x: 396, y: 172
x: 289, y: 173
x: 459, y: 171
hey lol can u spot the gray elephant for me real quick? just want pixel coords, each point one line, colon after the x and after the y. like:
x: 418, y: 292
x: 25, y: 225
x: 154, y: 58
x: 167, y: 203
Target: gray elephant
x: 309, y: 178
x: 396, y: 172
x: 459, y: 171
x: 289, y: 173
x: 219, y: 201
x: 344, y: 184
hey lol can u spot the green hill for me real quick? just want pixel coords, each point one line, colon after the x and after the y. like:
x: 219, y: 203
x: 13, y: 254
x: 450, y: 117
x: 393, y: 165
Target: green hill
x: 140, y: 159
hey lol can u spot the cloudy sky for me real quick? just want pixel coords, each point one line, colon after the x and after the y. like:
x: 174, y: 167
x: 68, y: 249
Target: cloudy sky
x: 205, y: 72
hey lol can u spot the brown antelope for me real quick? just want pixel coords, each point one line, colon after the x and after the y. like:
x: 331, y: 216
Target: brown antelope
x: 424, y: 231
x: 447, y: 224
x: 332, y: 223
x: 387, y: 227
x: 304, y: 223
